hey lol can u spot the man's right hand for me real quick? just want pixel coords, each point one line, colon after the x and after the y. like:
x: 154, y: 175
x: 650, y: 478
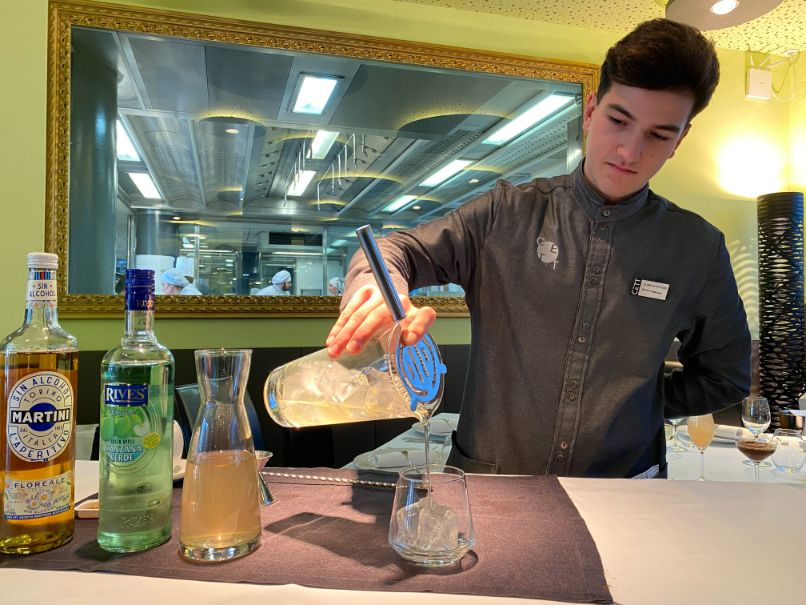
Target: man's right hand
x: 366, y: 313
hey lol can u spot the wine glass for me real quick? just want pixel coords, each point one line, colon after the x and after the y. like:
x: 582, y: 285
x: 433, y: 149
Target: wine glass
x: 757, y: 449
x: 675, y: 422
x: 756, y: 418
x: 701, y: 432
x: 756, y: 415
x: 790, y: 453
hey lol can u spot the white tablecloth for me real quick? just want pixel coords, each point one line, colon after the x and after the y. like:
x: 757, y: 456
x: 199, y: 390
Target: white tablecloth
x: 661, y: 542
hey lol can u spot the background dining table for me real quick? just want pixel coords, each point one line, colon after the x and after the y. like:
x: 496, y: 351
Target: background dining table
x: 723, y: 462
x: 663, y: 542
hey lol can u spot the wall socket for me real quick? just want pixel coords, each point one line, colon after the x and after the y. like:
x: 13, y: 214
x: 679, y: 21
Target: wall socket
x: 758, y: 84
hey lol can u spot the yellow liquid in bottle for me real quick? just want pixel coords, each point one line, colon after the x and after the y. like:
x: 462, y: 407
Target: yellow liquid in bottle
x: 34, y: 490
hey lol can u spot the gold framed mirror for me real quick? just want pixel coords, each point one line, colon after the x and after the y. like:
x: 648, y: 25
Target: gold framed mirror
x: 185, y: 142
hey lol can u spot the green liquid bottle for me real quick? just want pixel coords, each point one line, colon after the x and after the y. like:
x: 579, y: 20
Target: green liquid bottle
x: 136, y: 446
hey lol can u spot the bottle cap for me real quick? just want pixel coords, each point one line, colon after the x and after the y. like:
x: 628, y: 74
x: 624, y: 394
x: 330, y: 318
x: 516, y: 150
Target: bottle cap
x: 139, y: 278
x: 42, y: 260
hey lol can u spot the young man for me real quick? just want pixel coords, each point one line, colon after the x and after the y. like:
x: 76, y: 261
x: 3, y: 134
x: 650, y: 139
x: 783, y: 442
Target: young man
x: 595, y: 275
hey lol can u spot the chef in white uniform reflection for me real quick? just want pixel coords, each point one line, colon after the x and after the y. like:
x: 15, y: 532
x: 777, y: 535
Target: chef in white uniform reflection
x: 174, y: 282
x: 280, y: 285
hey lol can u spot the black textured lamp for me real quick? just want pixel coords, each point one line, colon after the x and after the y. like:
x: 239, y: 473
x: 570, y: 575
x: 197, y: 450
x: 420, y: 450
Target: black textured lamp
x: 782, y: 377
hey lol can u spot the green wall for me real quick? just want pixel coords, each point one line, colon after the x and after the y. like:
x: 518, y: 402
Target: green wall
x: 690, y: 179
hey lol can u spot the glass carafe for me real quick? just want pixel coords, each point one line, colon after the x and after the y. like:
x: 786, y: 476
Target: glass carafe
x: 220, y: 516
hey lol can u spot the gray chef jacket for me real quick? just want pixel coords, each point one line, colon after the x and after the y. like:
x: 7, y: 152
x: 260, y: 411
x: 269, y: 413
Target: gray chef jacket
x: 574, y: 305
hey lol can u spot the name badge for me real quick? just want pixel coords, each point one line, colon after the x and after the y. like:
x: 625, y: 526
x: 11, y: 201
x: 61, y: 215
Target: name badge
x: 650, y: 289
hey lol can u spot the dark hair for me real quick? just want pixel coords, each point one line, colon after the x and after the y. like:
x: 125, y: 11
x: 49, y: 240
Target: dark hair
x: 663, y: 55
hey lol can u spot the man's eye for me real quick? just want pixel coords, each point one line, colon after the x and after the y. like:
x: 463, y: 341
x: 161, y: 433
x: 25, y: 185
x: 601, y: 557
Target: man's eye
x: 615, y: 121
x: 658, y: 136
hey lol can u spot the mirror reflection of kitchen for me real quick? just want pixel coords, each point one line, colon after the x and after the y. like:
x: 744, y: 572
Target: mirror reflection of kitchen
x: 229, y: 164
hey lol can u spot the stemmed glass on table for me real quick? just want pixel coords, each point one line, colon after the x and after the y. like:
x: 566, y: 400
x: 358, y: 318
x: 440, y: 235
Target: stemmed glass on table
x: 757, y: 449
x: 701, y: 432
x: 676, y: 422
x: 756, y: 418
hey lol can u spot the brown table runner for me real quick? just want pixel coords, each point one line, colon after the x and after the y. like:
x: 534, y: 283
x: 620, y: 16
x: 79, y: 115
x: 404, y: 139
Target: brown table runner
x: 530, y: 542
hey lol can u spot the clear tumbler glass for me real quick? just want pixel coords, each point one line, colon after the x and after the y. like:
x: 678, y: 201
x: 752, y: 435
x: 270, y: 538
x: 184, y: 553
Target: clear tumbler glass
x: 431, y: 523
x: 790, y: 455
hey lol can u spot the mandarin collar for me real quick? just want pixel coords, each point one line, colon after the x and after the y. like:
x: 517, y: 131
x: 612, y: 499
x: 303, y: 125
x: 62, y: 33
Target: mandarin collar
x: 595, y: 205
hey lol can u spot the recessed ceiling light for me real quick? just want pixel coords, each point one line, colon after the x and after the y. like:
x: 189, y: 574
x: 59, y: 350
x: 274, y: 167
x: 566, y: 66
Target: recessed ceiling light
x: 177, y: 218
x: 723, y: 7
x: 301, y: 182
x: 146, y: 185
x: 537, y: 112
x: 322, y: 143
x: 399, y: 203
x: 314, y: 93
x: 416, y: 207
x: 707, y: 15
x: 443, y: 174
x: 473, y: 181
x: 124, y: 146
x: 232, y: 131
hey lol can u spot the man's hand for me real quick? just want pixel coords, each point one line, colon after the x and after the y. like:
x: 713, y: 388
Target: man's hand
x: 366, y: 313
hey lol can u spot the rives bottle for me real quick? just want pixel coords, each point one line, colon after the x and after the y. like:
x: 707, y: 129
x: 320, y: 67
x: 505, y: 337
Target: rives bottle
x: 136, y: 479
x: 38, y: 382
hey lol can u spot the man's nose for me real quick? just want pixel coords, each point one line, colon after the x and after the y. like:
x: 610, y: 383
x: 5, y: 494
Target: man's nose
x: 631, y: 147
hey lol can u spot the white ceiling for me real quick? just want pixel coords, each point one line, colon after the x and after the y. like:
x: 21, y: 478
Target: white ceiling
x: 781, y: 29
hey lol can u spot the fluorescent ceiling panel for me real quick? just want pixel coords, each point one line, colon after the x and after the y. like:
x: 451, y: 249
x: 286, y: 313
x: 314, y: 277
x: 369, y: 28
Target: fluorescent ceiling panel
x: 314, y: 93
x: 537, y: 112
x: 301, y: 183
x: 125, y: 147
x: 322, y: 143
x: 399, y: 203
x: 443, y: 174
x: 146, y: 185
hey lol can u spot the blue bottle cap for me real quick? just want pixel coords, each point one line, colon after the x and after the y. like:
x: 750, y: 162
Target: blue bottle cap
x: 139, y: 290
x: 139, y: 278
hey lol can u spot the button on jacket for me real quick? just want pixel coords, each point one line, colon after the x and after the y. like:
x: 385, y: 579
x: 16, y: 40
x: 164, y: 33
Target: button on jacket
x: 574, y: 304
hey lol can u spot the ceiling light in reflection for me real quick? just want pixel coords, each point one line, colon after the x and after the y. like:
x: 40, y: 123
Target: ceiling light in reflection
x: 314, y: 93
x: 399, y: 203
x: 537, y: 112
x: 146, y: 185
x: 232, y: 131
x: 723, y: 7
x: 301, y: 182
x: 125, y: 147
x: 322, y: 143
x: 750, y: 166
x: 445, y: 173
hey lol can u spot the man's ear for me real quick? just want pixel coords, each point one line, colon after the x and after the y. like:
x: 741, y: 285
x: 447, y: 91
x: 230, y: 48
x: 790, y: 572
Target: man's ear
x: 680, y: 140
x: 587, y: 113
